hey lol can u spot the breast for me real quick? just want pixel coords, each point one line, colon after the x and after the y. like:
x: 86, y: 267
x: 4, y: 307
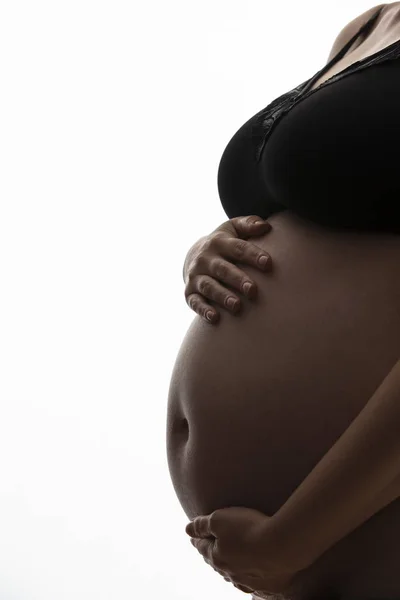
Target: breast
x: 255, y: 402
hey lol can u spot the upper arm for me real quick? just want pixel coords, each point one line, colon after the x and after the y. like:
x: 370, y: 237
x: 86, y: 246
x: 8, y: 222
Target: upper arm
x: 351, y: 29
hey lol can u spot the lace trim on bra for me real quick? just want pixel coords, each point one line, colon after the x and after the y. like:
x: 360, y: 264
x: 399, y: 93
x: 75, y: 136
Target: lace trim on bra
x: 266, y: 118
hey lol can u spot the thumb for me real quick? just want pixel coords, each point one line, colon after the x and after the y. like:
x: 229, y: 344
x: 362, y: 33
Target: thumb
x: 250, y: 225
x: 200, y: 527
x: 243, y: 227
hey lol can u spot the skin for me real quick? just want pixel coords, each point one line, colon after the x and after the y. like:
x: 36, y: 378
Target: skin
x: 256, y: 402
x: 236, y: 543
x: 304, y: 588
x: 358, y: 477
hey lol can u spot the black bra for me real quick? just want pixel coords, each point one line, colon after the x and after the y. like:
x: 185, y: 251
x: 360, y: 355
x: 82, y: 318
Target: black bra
x: 329, y: 154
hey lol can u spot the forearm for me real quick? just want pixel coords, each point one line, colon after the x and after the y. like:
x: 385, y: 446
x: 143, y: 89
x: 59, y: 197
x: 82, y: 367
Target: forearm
x: 359, y: 476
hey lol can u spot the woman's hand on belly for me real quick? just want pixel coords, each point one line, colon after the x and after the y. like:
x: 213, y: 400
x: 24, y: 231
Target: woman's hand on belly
x: 239, y: 544
x: 208, y: 268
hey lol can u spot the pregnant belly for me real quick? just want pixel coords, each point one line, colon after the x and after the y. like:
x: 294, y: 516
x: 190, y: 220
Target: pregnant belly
x: 256, y: 401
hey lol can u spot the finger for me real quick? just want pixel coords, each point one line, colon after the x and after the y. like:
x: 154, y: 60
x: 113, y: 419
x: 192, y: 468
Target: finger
x: 243, y: 227
x: 245, y: 252
x: 247, y: 224
x: 197, y: 303
x: 204, y: 546
x: 243, y: 588
x: 215, y: 287
x: 236, y: 250
x: 222, y: 573
x: 264, y: 594
x: 230, y: 275
x: 257, y: 228
x: 211, y: 290
x: 200, y: 527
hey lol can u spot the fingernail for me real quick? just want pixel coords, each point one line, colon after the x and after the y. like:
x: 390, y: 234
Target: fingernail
x: 231, y: 302
x: 247, y: 288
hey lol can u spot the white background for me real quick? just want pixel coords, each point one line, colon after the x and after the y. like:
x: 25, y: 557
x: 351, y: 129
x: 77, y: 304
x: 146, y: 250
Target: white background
x: 113, y: 119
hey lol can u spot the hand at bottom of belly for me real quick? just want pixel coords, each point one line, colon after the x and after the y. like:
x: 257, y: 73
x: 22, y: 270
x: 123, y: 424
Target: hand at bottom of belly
x: 234, y: 542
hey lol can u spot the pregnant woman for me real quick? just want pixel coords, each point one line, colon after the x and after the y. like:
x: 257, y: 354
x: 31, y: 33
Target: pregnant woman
x: 292, y: 408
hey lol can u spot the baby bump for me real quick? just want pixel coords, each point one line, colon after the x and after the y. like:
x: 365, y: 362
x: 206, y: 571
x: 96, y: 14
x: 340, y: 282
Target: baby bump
x: 256, y: 401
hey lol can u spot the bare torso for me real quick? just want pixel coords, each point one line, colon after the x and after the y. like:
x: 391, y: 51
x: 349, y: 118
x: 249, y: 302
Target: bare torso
x: 256, y: 401
x: 386, y: 31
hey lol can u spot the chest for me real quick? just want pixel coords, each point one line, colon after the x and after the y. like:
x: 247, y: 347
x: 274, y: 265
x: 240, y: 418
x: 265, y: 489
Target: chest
x: 387, y: 32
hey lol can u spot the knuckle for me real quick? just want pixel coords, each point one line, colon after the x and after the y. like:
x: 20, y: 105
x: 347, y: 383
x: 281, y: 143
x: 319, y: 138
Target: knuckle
x: 220, y: 232
x: 220, y: 269
x: 218, y: 563
x: 214, y: 242
x: 190, y: 274
x: 197, y: 264
x: 205, y: 286
x: 248, y: 219
x: 207, y: 244
x: 240, y: 248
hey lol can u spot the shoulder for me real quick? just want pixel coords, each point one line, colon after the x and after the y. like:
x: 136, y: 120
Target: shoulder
x: 351, y: 29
